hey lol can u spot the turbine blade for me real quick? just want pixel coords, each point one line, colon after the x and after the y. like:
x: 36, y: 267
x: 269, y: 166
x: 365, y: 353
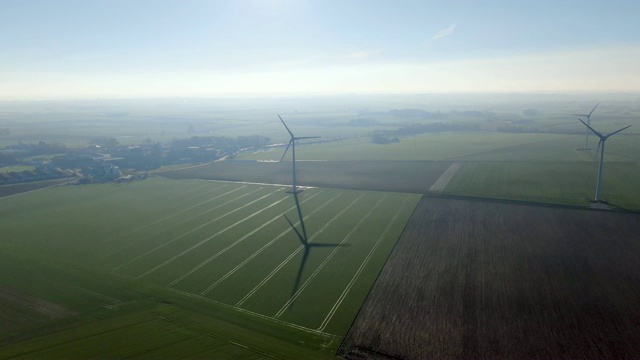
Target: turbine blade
x: 302, y: 240
x: 304, y: 229
x: 307, y: 137
x: 585, y: 115
x: 591, y: 112
x: 286, y: 127
x: 285, y: 150
x: 300, y: 270
x: 593, y: 131
x: 615, y: 132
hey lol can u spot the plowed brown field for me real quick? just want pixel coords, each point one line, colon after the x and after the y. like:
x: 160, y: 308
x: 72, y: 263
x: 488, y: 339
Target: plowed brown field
x: 480, y: 280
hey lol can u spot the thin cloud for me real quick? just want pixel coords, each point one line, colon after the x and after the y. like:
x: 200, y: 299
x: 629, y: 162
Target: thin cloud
x: 445, y: 32
x: 362, y: 54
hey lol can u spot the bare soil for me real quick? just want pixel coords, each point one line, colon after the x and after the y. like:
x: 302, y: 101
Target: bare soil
x: 489, y: 280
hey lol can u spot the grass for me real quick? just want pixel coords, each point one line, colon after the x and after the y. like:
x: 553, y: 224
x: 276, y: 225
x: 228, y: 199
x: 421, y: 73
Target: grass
x: 463, y: 146
x: 400, y: 176
x: 426, y: 147
x: 15, y: 168
x: 569, y: 183
x: 197, y: 245
x: 13, y: 189
x: 187, y: 263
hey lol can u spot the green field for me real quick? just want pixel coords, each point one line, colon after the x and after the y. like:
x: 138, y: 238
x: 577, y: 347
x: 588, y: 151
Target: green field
x: 432, y: 146
x: 15, y: 168
x: 546, y: 168
x: 207, y: 268
x: 569, y: 183
x: 221, y: 246
x: 464, y: 146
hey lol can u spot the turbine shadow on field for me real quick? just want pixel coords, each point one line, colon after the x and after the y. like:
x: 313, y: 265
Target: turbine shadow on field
x: 304, y: 240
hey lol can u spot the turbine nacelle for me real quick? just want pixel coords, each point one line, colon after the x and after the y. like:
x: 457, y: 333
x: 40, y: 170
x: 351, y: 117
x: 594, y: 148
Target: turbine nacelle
x: 292, y: 145
x: 588, y: 116
x: 598, y: 134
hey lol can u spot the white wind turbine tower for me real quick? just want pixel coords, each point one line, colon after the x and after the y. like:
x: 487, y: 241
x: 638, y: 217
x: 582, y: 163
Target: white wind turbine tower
x: 292, y: 144
x: 603, y: 138
x: 588, y: 116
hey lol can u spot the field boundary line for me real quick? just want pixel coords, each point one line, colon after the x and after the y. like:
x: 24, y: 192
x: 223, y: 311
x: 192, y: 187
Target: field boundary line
x: 63, y: 182
x: 112, y: 304
x: 192, y: 230
x: 264, y: 247
x: 30, y: 351
x: 444, y: 179
x: 225, y: 341
x: 196, y: 268
x: 248, y: 312
x: 228, y: 247
x: 218, y: 233
x: 324, y: 263
x: 163, y: 219
x: 355, y: 277
x: 159, y: 172
x: 193, y: 189
x: 285, y: 261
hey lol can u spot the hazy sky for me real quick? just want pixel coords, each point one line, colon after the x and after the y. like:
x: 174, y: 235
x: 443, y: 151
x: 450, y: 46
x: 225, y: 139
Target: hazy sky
x: 129, y: 48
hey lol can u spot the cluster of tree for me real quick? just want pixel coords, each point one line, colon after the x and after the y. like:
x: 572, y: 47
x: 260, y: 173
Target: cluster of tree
x: 408, y: 113
x: 378, y: 136
x: 223, y: 143
x: 417, y: 113
x: 40, y: 148
x: 362, y: 122
x: 437, y: 115
x: 382, y: 139
x: 196, y: 149
x: 105, y: 142
x: 147, y: 155
x: 475, y: 114
x: 8, y: 158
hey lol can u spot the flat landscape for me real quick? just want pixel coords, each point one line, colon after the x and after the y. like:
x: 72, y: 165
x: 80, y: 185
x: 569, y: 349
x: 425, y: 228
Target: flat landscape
x: 399, y: 176
x: 220, y: 244
x: 480, y: 280
x: 319, y: 180
x: 502, y: 257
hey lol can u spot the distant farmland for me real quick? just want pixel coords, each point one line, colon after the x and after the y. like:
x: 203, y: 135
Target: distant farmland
x: 401, y: 176
x: 8, y: 190
x: 483, y: 280
x: 220, y: 245
x: 570, y: 183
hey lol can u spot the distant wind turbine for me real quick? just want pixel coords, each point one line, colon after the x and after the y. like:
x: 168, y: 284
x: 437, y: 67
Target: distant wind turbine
x: 588, y: 116
x: 304, y: 240
x: 603, y: 138
x: 292, y: 144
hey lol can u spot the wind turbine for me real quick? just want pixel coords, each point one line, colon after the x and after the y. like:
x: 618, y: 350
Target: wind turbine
x: 292, y: 144
x: 588, y: 116
x: 603, y: 138
x: 304, y: 240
